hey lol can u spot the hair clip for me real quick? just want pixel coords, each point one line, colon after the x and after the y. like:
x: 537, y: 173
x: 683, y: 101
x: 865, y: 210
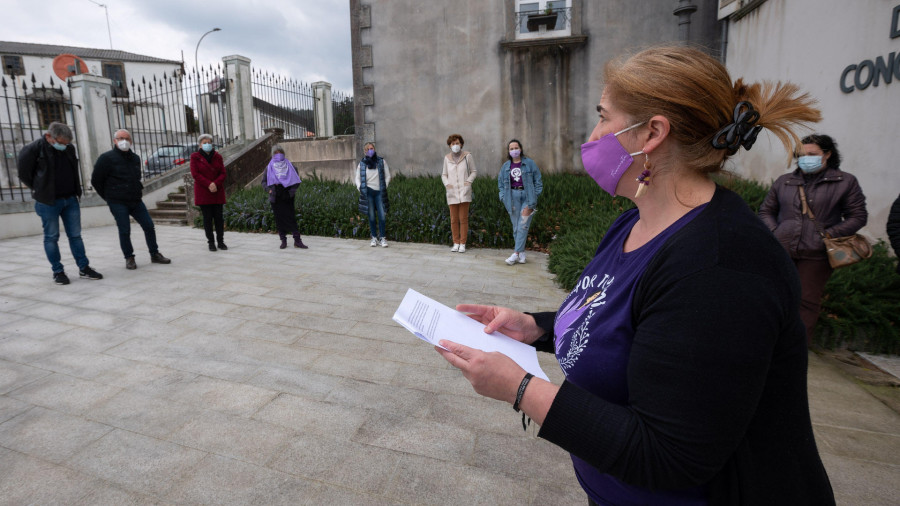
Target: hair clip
x: 742, y: 131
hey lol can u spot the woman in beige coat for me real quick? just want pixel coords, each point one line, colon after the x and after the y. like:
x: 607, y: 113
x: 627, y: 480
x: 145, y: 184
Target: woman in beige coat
x: 458, y: 174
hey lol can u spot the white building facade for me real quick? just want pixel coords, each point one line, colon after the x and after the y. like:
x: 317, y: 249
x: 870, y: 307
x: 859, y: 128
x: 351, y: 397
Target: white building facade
x: 847, y: 56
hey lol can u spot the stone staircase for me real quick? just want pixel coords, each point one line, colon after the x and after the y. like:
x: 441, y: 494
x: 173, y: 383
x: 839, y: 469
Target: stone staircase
x: 172, y: 211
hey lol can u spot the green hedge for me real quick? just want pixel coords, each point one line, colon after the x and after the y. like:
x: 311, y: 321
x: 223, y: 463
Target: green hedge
x: 861, y: 305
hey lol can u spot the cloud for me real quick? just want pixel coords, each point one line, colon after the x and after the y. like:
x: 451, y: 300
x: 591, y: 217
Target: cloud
x: 302, y: 40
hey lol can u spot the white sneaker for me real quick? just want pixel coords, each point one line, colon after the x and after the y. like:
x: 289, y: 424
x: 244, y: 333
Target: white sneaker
x: 374, y: 242
x: 383, y: 242
x: 522, y: 257
x: 462, y: 248
x: 512, y: 259
x: 455, y: 248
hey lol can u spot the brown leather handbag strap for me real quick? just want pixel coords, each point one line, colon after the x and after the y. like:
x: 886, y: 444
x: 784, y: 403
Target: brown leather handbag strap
x: 805, y: 209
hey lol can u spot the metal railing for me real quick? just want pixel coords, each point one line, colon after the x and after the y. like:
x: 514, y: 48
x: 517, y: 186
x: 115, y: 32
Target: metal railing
x: 280, y: 102
x: 342, y: 109
x: 554, y: 19
x: 26, y: 112
x: 164, y: 115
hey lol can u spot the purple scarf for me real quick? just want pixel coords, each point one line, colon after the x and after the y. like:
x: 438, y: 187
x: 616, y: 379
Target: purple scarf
x: 281, y: 171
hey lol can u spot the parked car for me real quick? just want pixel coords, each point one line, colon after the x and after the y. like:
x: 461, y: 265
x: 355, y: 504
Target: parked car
x: 167, y: 157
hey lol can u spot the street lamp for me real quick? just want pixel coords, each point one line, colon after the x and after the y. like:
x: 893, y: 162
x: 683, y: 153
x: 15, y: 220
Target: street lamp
x: 197, y: 70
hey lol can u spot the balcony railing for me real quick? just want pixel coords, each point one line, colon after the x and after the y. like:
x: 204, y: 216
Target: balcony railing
x: 534, y: 21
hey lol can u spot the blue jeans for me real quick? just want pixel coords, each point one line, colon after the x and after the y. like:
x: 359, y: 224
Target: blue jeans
x: 121, y: 211
x: 375, y: 205
x: 520, y: 224
x: 70, y: 212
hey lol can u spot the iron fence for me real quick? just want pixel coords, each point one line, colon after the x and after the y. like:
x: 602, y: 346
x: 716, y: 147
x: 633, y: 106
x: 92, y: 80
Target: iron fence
x: 165, y: 114
x: 26, y: 113
x: 280, y: 102
x: 342, y: 108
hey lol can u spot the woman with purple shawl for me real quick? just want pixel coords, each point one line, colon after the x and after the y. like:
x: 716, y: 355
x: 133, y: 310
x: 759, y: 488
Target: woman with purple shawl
x: 281, y: 181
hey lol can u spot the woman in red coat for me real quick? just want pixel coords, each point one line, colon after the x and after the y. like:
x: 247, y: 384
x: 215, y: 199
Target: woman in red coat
x: 208, y: 170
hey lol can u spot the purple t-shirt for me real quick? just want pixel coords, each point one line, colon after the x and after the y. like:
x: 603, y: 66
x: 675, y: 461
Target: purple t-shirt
x: 594, y: 333
x: 515, y: 175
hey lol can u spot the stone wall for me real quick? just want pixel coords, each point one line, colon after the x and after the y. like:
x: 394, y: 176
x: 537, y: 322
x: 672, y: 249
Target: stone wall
x: 423, y: 71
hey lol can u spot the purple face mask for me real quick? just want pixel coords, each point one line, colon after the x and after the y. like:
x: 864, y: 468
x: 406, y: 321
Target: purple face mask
x: 370, y: 152
x: 606, y: 160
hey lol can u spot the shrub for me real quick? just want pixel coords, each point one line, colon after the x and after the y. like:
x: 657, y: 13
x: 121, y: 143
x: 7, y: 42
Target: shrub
x: 860, y: 309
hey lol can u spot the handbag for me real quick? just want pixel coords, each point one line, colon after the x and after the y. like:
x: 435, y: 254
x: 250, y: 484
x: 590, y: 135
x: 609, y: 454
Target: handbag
x: 842, y: 251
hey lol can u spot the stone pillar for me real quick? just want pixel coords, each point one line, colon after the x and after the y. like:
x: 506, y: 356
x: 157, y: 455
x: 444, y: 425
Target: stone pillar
x: 93, y: 113
x: 239, y: 97
x: 324, y: 109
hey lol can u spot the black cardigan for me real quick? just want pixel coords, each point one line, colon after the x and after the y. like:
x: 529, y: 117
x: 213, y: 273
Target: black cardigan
x: 716, y: 374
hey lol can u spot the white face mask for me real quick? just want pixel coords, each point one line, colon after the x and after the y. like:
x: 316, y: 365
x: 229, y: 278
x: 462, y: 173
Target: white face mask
x: 123, y: 145
x: 455, y: 148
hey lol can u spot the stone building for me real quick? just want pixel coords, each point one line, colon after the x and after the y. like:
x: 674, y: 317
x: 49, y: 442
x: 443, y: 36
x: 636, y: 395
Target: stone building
x: 498, y: 70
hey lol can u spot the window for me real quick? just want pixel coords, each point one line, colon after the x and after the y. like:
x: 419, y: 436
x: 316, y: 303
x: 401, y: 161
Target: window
x: 50, y: 108
x: 116, y: 72
x: 13, y: 65
x: 543, y: 18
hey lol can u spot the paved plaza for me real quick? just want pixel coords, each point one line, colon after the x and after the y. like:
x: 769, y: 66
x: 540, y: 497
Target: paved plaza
x: 266, y: 376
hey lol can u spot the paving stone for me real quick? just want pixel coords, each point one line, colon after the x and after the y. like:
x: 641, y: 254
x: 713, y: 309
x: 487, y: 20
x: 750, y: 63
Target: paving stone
x: 28, y: 480
x: 13, y: 375
x: 421, y: 480
x: 147, y: 378
x: 356, y: 466
x: 80, y: 364
x: 223, y: 481
x: 420, y: 437
x: 516, y: 456
x: 223, y: 396
x: 313, y: 417
x: 385, y: 398
x: 136, y: 462
x: 244, y: 439
x: 858, y: 444
x: 361, y: 368
x: 10, y: 407
x: 64, y: 393
x: 36, y: 328
x: 295, y: 381
x: 144, y: 414
x: 860, y: 482
x: 207, y: 322
x: 48, y: 434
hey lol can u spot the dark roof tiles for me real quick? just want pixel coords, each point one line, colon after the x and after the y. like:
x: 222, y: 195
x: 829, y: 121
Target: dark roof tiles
x: 86, y: 53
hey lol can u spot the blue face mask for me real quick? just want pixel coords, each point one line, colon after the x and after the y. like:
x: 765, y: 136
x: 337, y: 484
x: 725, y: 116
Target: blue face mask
x: 370, y: 152
x: 809, y: 164
x: 58, y: 146
x: 207, y: 147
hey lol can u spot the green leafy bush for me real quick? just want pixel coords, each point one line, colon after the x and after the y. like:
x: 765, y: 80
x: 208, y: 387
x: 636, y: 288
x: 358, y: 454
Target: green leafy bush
x: 861, y: 306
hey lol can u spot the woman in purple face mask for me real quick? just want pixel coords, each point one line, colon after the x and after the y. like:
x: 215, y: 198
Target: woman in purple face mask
x: 682, y: 346
x: 520, y: 185
x: 837, y: 203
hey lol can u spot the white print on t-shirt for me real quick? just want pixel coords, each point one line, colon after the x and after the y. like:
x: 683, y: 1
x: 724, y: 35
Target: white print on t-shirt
x: 578, y: 341
x: 516, y: 174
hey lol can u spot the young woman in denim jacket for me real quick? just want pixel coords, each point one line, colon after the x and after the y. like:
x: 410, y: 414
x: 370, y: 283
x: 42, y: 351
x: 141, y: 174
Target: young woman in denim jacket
x: 520, y: 186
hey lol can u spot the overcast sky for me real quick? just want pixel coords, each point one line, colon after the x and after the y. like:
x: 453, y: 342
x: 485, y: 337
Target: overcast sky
x: 307, y: 40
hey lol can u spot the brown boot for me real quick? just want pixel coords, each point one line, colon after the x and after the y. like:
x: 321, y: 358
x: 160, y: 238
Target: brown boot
x: 298, y: 242
x: 283, y: 241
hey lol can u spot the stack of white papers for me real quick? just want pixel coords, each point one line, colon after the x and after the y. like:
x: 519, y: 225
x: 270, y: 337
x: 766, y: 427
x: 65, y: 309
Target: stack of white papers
x: 432, y: 322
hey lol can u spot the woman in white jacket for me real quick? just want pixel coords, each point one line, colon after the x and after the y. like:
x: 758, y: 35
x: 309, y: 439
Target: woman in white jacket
x: 457, y: 175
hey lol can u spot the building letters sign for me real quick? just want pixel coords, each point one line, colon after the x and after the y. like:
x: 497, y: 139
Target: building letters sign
x: 865, y: 73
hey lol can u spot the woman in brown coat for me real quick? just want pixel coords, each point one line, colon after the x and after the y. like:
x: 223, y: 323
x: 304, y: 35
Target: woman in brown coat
x: 837, y: 203
x: 208, y: 170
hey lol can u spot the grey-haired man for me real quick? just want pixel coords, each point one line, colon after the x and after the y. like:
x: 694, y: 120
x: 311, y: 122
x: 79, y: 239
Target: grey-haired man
x: 49, y: 167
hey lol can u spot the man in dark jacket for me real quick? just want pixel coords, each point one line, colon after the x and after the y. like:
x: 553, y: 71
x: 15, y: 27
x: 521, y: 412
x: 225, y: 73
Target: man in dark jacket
x: 49, y: 167
x: 893, y: 229
x: 117, y: 179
